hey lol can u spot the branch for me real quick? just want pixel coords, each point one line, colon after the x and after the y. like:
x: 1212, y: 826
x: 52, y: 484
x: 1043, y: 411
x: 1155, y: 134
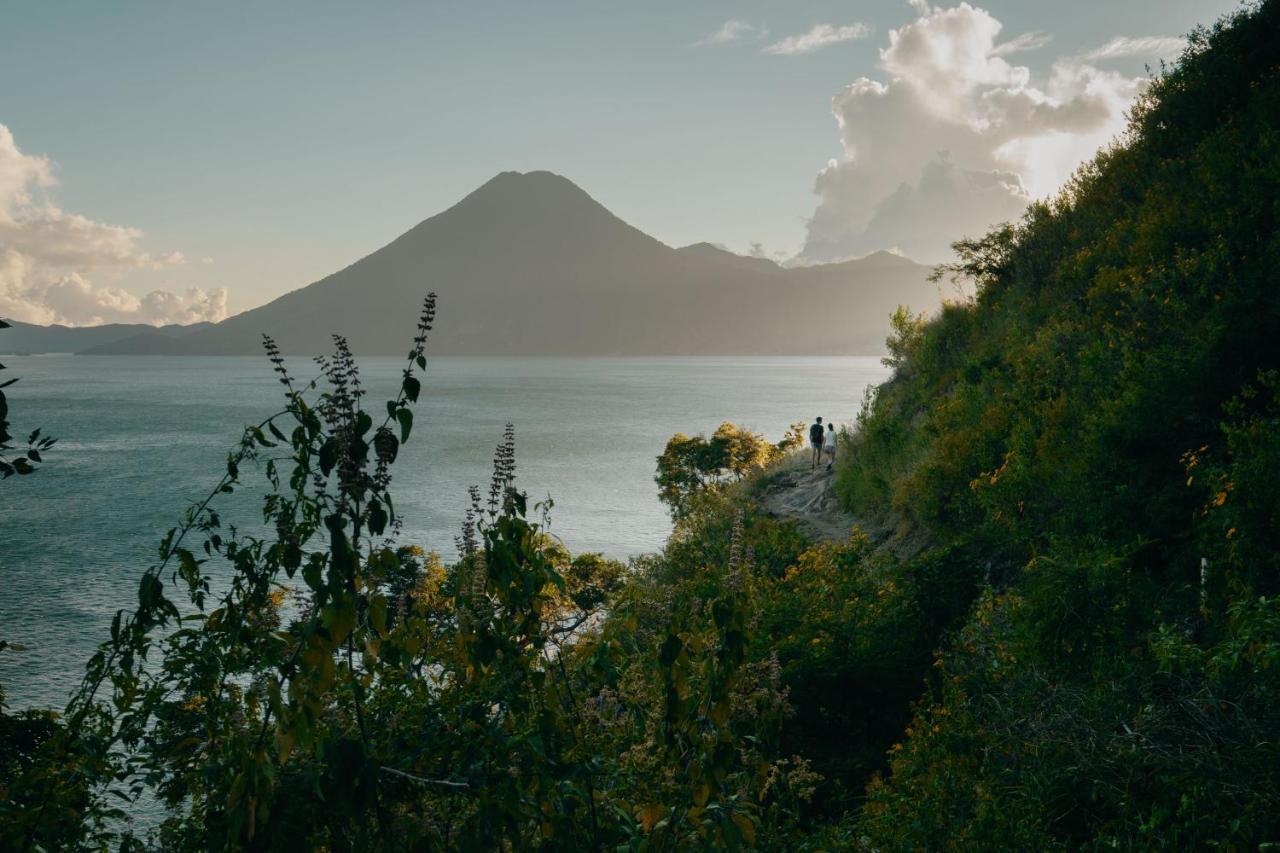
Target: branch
x: 575, y: 625
x: 422, y: 780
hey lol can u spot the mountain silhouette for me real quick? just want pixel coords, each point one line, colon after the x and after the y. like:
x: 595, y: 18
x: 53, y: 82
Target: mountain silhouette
x: 33, y: 338
x: 529, y: 263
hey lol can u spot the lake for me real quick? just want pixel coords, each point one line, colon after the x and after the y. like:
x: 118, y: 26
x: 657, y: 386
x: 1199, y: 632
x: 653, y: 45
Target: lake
x: 140, y: 438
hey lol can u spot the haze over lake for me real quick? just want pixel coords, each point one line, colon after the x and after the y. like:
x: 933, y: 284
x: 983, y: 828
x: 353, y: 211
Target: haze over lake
x: 141, y: 437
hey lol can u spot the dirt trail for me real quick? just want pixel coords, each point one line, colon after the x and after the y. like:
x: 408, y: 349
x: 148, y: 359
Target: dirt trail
x: 796, y: 491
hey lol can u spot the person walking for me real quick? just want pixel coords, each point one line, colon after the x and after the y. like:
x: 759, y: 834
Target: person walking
x: 816, y: 433
x: 829, y: 445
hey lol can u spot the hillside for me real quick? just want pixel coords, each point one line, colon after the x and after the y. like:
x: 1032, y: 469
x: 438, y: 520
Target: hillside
x: 1092, y: 446
x: 30, y: 338
x: 721, y: 255
x: 531, y: 264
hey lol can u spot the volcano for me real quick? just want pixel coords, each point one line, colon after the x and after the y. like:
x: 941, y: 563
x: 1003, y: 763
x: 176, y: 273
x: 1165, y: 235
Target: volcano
x: 530, y: 264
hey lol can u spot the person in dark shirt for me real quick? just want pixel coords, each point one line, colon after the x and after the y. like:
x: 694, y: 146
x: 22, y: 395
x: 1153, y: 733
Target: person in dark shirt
x: 816, y: 433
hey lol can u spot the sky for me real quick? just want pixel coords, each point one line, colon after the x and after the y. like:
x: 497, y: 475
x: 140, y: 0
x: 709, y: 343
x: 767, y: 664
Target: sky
x: 175, y: 162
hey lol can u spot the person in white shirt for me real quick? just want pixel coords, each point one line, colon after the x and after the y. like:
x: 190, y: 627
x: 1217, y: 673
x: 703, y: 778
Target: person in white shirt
x: 829, y: 445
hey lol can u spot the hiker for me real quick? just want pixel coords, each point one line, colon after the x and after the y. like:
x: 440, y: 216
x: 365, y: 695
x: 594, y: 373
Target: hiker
x: 829, y: 445
x: 815, y: 440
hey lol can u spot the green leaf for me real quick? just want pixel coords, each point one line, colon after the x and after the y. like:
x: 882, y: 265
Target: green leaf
x: 313, y: 576
x: 486, y: 649
x: 411, y: 388
x: 405, y: 417
x: 671, y: 648
x: 328, y: 456
x: 149, y: 590
x: 377, y: 518
x: 746, y: 827
x: 188, y: 567
x: 378, y: 614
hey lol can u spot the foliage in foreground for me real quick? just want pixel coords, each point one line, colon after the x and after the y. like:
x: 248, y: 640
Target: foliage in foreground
x: 23, y: 735
x: 343, y: 690
x: 29, y: 457
x: 326, y: 687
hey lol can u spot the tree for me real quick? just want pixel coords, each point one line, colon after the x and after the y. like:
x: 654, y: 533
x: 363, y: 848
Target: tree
x: 907, y: 332
x: 690, y: 465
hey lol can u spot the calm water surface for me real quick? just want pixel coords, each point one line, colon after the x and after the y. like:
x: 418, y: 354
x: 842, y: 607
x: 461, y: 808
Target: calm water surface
x: 140, y: 438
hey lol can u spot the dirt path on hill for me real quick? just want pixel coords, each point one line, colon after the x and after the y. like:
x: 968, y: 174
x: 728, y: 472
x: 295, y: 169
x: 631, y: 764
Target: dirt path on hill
x: 808, y: 496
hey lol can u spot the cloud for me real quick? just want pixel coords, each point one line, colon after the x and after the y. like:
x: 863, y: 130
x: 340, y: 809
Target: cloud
x: 67, y: 239
x: 955, y: 138
x: 48, y: 254
x: 757, y: 249
x: 1020, y: 44
x: 732, y: 30
x: 822, y: 35
x: 19, y: 173
x: 73, y: 296
x: 1148, y: 47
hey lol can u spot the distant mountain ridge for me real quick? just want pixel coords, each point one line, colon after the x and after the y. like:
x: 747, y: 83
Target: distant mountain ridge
x: 712, y: 252
x: 530, y: 264
x: 31, y: 338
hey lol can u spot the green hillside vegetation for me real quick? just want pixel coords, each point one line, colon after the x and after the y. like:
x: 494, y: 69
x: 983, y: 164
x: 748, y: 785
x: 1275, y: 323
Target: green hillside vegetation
x: 1099, y: 430
x: 1063, y: 633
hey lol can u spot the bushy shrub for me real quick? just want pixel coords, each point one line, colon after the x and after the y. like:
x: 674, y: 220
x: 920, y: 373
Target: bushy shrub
x: 689, y: 467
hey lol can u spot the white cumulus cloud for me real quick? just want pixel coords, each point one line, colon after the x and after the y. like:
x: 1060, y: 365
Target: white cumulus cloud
x: 954, y: 137
x: 47, y: 256
x: 822, y: 35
